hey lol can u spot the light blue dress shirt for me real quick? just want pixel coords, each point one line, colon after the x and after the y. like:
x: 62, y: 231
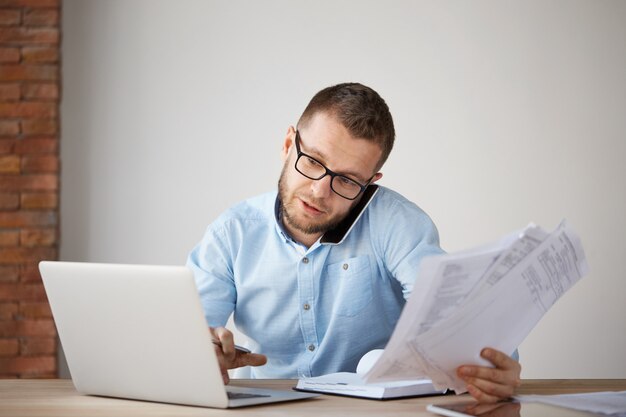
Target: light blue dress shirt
x: 312, y: 310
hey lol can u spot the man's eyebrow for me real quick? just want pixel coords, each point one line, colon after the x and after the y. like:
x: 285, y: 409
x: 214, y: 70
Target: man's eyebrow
x: 318, y: 155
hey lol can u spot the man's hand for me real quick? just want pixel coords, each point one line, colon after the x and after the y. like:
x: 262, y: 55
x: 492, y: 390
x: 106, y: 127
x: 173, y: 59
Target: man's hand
x: 489, y: 385
x: 228, y: 356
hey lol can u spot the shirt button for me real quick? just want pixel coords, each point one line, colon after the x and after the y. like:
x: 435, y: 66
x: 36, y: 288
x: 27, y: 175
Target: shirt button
x: 345, y: 266
x: 306, y: 306
x: 305, y: 260
x: 311, y: 348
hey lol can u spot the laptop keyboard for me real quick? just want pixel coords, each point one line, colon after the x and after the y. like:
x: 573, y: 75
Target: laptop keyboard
x: 240, y: 395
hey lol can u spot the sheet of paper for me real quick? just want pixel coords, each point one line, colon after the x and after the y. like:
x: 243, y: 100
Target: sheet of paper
x: 606, y: 402
x: 504, y: 316
x: 442, y: 285
x: 526, y: 279
x: 527, y: 242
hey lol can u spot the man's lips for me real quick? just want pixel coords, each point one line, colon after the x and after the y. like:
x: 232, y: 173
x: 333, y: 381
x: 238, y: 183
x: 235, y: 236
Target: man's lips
x: 309, y: 208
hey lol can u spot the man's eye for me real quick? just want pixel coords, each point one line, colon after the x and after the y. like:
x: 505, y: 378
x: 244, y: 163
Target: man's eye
x: 312, y: 161
x: 346, y: 181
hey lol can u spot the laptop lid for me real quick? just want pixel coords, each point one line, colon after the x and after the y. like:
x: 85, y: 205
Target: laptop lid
x: 137, y: 331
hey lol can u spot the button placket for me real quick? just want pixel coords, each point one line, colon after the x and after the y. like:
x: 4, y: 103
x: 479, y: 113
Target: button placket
x: 306, y: 277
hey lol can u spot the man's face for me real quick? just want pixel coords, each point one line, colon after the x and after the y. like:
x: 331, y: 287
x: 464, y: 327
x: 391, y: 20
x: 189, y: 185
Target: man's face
x: 310, y: 207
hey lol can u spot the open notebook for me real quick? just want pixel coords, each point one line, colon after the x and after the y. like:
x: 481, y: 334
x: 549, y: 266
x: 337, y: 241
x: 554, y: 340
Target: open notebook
x: 351, y: 384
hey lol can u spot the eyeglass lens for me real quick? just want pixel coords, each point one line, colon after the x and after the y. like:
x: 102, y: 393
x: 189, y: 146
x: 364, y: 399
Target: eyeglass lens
x: 314, y: 170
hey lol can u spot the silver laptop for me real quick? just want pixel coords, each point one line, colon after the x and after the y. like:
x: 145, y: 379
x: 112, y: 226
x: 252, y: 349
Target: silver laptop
x: 139, y: 332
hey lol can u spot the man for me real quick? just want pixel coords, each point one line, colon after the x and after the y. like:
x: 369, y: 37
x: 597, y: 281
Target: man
x: 317, y: 274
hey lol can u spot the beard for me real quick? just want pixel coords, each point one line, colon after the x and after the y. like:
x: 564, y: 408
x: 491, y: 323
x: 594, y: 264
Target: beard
x: 289, y: 214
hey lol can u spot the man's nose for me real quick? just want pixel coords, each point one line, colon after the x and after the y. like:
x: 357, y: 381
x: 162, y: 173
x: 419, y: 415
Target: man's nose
x: 321, y: 188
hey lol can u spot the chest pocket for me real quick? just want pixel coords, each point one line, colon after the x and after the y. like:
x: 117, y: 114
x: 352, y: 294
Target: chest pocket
x: 353, y: 285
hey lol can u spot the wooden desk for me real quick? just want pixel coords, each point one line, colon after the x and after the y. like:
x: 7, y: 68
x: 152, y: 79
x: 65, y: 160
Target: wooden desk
x: 57, y: 398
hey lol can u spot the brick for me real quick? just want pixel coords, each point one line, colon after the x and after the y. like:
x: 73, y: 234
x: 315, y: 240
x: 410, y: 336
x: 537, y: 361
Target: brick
x: 22, y: 364
x: 9, y: 347
x: 9, y: 273
x: 37, y: 346
x: 36, y: 145
x: 8, y: 311
x: 26, y: 35
x: 39, y: 163
x: 8, y: 328
x: 9, y: 127
x: 10, y: 164
x: 37, y: 237
x: 9, y: 92
x: 36, y: 328
x: 29, y: 273
x: 28, y: 219
x: 40, y: 55
x: 39, y: 127
x: 9, y: 55
x: 12, y: 72
x: 16, y: 255
x: 9, y: 237
x: 33, y: 310
x: 22, y: 292
x: 9, y: 201
x: 42, y: 91
x: 9, y: 17
x: 29, y: 3
x: 38, y: 375
x: 38, y: 200
x: 7, y: 145
x: 28, y: 109
x: 41, y: 17
x: 39, y: 182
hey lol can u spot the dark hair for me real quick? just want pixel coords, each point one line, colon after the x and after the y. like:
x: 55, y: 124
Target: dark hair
x: 359, y: 109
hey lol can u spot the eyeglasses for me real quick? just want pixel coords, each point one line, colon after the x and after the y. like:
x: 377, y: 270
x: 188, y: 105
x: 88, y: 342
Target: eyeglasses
x: 313, y: 169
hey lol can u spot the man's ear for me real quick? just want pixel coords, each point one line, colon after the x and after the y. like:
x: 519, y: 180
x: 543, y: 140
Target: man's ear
x: 378, y: 176
x: 290, y: 138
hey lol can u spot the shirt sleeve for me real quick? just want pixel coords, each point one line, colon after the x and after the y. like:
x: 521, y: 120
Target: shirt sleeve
x: 211, y: 263
x: 408, y: 237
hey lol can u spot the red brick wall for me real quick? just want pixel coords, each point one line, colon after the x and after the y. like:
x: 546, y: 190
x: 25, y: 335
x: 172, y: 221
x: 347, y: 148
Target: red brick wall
x: 29, y: 182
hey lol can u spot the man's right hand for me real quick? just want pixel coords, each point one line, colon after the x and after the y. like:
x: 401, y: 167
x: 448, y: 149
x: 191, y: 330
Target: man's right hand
x: 228, y: 356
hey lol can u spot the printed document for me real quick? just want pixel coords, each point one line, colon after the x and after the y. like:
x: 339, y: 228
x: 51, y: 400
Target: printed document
x: 492, y: 296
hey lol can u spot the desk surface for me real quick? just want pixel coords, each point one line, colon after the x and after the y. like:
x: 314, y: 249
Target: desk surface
x: 57, y: 397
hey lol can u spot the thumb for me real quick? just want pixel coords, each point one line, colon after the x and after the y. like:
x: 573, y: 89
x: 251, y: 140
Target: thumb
x: 252, y: 359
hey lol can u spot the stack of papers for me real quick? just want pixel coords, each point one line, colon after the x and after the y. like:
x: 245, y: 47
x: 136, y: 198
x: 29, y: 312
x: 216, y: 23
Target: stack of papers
x: 492, y: 296
x: 607, y: 402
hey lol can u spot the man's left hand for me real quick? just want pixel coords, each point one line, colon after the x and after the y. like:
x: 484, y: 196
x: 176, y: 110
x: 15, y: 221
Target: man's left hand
x: 489, y: 385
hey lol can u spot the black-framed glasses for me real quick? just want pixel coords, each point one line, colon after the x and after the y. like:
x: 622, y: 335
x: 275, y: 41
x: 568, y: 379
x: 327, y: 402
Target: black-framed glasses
x: 313, y: 169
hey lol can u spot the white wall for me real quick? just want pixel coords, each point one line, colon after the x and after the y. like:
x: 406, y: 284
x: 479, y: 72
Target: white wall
x: 506, y: 112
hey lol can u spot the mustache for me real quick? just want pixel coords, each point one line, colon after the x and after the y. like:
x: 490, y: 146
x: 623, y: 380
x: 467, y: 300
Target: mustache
x: 315, y: 202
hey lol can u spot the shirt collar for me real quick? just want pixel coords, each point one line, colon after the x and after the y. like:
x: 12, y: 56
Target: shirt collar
x: 337, y: 235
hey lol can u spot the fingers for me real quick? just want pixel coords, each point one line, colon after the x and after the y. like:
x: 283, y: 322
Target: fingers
x: 250, y: 359
x: 492, y: 384
x: 499, y: 359
x: 507, y: 370
x: 488, y: 392
x: 225, y: 337
x: 228, y: 356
